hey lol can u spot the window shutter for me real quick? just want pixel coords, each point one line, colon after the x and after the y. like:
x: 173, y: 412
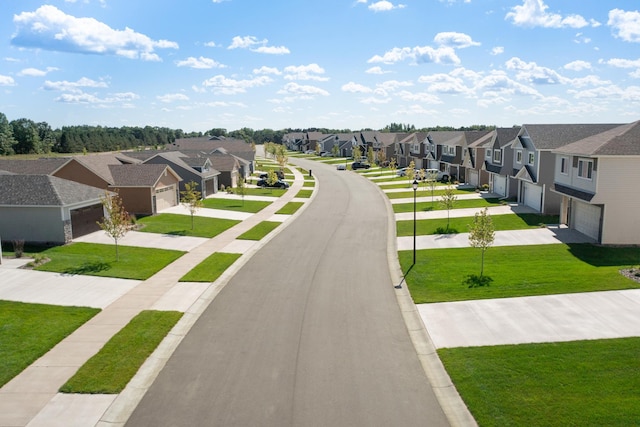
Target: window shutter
x: 595, y: 164
x: 575, y: 161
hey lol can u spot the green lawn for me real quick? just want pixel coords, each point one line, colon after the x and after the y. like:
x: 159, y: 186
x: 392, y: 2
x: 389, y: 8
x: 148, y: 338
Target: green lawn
x: 270, y: 192
x: 304, y: 194
x: 309, y: 184
x: 28, y: 331
x: 260, y: 230
x: 421, y: 192
x: 517, y: 271
x: 109, y: 371
x: 100, y: 260
x: 407, y: 185
x: 579, y: 383
x: 251, y: 206
x: 435, y: 205
x: 211, y: 268
x: 290, y: 208
x: 461, y: 225
x: 180, y: 225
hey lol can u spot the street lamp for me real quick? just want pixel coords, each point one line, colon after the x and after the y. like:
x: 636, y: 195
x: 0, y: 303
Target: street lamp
x: 414, y: 185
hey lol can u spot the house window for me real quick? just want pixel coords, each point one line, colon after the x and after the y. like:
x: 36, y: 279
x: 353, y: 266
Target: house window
x: 532, y: 158
x: 519, y: 156
x: 497, y: 156
x: 585, y: 169
x: 563, y: 165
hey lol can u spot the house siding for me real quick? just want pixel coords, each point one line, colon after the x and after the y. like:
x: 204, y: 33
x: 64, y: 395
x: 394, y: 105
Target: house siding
x: 34, y: 224
x: 551, y: 201
x: 621, y: 223
x: 73, y: 171
x: 137, y: 200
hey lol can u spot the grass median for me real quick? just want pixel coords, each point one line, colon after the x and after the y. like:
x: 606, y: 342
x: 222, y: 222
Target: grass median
x: 111, y: 369
x: 211, y: 268
x: 461, y: 225
x: 458, y: 204
x: 240, y: 205
x: 260, y: 230
x: 290, y: 208
x: 517, y: 271
x: 28, y: 331
x: 180, y: 225
x: 579, y: 383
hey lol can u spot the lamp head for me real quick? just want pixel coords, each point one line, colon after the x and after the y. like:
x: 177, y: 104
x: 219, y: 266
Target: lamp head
x: 414, y: 184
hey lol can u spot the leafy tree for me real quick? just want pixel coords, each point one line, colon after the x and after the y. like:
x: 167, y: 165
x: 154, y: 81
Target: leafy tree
x: 7, y: 141
x: 432, y: 178
x: 382, y: 157
x: 272, y: 178
x: 317, y: 148
x: 241, y: 188
x: 25, y: 132
x: 422, y: 176
x: 393, y: 165
x: 370, y: 155
x: 281, y: 156
x: 411, y: 170
x: 116, y: 222
x: 357, y: 153
x: 191, y: 198
x: 335, y: 150
x: 448, y: 201
x: 482, y: 234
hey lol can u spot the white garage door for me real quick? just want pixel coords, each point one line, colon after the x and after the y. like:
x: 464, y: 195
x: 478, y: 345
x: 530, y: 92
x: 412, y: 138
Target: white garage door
x: 586, y: 218
x: 500, y: 185
x: 533, y: 196
x: 165, y: 198
x: 473, y: 177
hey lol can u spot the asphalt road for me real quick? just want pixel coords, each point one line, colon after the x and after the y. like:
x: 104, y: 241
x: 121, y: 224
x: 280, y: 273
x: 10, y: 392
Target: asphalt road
x: 308, y: 333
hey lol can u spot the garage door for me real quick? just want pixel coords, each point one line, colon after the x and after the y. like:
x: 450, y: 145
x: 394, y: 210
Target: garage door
x: 532, y: 196
x: 85, y: 220
x: 586, y: 219
x: 165, y: 198
x: 500, y: 185
x: 473, y: 177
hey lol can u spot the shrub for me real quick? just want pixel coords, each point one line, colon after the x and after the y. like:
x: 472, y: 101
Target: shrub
x: 18, y: 248
x: 475, y: 281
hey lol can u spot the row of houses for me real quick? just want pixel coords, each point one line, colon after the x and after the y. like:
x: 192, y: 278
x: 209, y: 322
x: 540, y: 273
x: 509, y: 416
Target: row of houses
x: 54, y: 200
x: 587, y: 174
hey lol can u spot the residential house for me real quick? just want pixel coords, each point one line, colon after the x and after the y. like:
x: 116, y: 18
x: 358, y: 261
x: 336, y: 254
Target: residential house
x: 228, y: 166
x: 293, y: 141
x: 44, y: 209
x: 498, y: 161
x: 534, y: 161
x: 190, y: 169
x: 232, y: 146
x: 385, y: 141
x: 474, y: 156
x: 440, y: 145
x: 597, y: 178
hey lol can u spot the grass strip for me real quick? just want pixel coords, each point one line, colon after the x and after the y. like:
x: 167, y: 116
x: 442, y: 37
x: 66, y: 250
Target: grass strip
x: 94, y: 259
x: 211, y: 268
x: 109, y: 371
x: 461, y: 225
x: 438, y: 191
x: 28, y: 331
x: 180, y: 225
x: 517, y: 271
x: 260, y: 230
x: 304, y: 194
x: 240, y: 205
x: 458, y: 204
x: 290, y: 208
x: 579, y: 383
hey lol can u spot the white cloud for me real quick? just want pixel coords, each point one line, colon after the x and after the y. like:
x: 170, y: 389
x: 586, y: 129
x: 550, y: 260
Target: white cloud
x: 34, y: 72
x: 376, y: 70
x: 199, y: 63
x: 578, y: 66
x: 267, y: 70
x: 172, y: 97
x: 419, y: 54
x: 305, y: 72
x: 624, y: 63
x: 296, y: 89
x: 373, y: 100
x: 51, y: 29
x: 497, y: 50
x: 74, y: 87
x: 86, y: 98
x: 498, y: 83
x: 533, y: 73
x: 533, y: 13
x: 424, y: 97
x: 255, y: 45
x: 6, y: 81
x: 210, y: 44
x: 223, y: 85
x: 384, y: 6
x: 445, y: 84
x: 625, y: 25
x: 356, y: 88
x: 589, y: 81
x: 455, y: 40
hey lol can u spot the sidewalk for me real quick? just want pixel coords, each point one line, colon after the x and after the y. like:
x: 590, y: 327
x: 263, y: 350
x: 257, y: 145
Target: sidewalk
x: 32, y: 396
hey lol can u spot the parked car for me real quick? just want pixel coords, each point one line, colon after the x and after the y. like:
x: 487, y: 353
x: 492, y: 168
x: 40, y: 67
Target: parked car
x: 279, y: 174
x: 360, y: 165
x: 278, y: 184
x: 326, y: 154
x: 403, y: 172
x: 341, y: 167
x: 310, y: 152
x: 440, y: 176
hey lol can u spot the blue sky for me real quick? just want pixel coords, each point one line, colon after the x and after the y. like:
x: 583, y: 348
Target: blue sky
x: 352, y: 64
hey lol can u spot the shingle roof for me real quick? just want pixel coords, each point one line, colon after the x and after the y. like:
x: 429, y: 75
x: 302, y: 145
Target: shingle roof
x: 505, y: 136
x: 550, y: 137
x: 223, y: 162
x: 38, y: 166
x: 444, y: 136
x: 622, y: 140
x: 44, y: 190
x: 137, y: 175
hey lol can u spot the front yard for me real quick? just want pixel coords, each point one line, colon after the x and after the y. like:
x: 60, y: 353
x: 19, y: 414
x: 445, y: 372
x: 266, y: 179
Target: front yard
x: 180, y: 225
x: 461, y: 225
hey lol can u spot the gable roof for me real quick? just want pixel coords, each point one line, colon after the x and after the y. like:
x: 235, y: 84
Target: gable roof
x: 178, y: 159
x: 622, y: 140
x: 44, y: 166
x: 550, y: 137
x: 139, y: 175
x: 44, y: 190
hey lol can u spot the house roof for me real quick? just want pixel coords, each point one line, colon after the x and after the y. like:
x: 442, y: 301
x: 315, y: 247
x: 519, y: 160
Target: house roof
x: 440, y: 137
x: 550, y: 137
x: 38, y: 166
x: 138, y: 175
x: 44, y: 190
x: 223, y: 162
x: 178, y: 158
x: 621, y: 140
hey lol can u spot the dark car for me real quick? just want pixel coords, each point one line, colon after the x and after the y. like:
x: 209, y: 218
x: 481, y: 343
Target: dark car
x: 360, y: 165
x: 278, y: 184
x: 279, y: 174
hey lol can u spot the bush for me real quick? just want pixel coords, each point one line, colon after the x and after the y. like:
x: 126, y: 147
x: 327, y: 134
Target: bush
x: 475, y: 281
x: 18, y: 248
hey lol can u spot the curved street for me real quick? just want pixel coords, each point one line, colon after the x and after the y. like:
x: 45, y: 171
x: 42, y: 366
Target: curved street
x: 308, y: 332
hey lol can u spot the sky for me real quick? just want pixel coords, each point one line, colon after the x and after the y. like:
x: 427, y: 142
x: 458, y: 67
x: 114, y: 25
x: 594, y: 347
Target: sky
x: 341, y: 64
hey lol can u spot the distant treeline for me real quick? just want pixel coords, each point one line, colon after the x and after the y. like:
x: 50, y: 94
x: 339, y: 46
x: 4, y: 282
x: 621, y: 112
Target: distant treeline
x: 24, y: 136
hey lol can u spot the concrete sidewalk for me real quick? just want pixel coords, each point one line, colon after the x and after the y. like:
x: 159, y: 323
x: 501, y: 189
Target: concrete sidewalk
x: 32, y: 396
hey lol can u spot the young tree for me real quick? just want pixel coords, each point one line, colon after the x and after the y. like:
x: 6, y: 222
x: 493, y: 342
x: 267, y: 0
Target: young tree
x: 481, y: 233
x: 272, y: 178
x: 393, y: 165
x: 116, y: 222
x: 411, y: 170
x: 191, y: 199
x: 382, y: 157
x: 448, y: 201
x: 357, y: 153
x: 241, y: 190
x: 422, y: 175
x: 335, y: 150
x: 432, y: 179
x: 370, y: 155
x: 281, y: 156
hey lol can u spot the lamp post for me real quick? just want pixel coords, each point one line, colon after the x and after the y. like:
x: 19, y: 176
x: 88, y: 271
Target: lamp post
x: 414, y: 185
